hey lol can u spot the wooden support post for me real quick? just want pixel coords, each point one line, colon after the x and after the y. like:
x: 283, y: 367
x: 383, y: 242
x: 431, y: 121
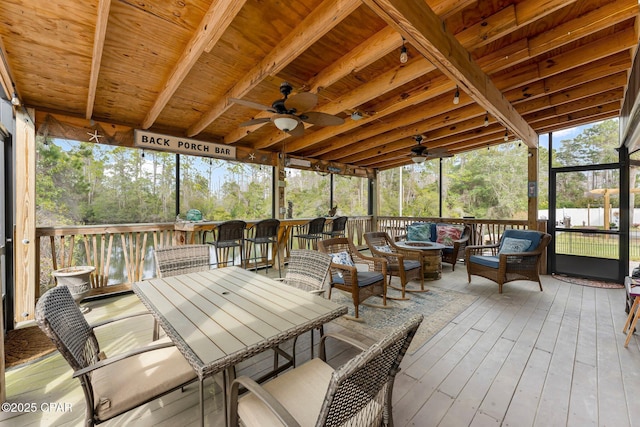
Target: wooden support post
x: 25, y: 230
x: 532, y: 189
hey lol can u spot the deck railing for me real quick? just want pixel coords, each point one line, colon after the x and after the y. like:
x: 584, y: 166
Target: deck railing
x: 122, y: 254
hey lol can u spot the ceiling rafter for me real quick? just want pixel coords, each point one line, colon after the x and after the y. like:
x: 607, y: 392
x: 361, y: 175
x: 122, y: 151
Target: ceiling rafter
x: 213, y: 25
x: 320, y: 21
x: 98, y: 46
x: 6, y: 77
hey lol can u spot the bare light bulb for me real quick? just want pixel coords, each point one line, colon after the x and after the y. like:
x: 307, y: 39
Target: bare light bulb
x: 403, y: 55
x: 506, y: 135
x: 456, y: 97
x: 486, y: 120
x: 15, y: 101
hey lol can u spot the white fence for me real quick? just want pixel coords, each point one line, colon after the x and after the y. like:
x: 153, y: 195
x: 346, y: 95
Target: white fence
x: 592, y: 217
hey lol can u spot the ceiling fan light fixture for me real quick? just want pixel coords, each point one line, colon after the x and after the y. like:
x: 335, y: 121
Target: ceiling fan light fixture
x: 456, y: 97
x: 418, y: 159
x: 285, y: 124
x: 356, y: 115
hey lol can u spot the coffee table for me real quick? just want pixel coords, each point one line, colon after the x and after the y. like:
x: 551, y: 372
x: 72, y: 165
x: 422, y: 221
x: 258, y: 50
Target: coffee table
x: 431, y: 257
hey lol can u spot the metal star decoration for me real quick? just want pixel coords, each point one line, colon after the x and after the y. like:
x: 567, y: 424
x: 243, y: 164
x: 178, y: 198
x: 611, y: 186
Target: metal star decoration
x: 252, y: 156
x: 95, y: 136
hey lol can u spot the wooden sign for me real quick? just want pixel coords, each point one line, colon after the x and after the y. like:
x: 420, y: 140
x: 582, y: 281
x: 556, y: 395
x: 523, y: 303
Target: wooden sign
x: 174, y: 144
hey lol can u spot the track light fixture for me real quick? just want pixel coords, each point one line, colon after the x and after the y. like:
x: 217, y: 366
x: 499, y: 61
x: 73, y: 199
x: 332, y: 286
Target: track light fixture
x: 486, y: 119
x: 403, y: 53
x: 456, y: 97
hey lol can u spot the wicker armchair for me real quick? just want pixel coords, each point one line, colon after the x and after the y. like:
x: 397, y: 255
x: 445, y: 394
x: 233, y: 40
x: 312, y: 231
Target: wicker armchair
x: 508, y: 265
x: 402, y: 263
x: 357, y: 393
x: 113, y: 385
x: 360, y: 284
x: 307, y: 270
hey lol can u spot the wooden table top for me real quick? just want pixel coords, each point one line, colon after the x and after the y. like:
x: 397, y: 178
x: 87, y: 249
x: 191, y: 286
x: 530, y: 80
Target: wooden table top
x: 220, y: 317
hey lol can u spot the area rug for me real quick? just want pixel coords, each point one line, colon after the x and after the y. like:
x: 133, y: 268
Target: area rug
x: 439, y: 307
x: 588, y: 282
x: 24, y: 345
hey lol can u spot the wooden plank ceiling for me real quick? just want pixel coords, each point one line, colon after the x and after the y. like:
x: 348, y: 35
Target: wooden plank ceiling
x: 528, y: 66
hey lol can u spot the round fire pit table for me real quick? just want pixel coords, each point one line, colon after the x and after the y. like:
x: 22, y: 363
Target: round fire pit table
x: 431, y: 257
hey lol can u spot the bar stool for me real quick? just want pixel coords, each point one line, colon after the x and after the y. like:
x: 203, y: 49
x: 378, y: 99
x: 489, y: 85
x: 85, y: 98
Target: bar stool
x: 309, y: 240
x: 337, y: 227
x: 264, y: 233
x: 229, y: 235
x: 634, y: 311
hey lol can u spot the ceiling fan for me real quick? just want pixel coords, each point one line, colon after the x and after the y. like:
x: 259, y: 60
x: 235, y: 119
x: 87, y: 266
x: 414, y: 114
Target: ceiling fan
x: 420, y: 153
x: 289, y: 112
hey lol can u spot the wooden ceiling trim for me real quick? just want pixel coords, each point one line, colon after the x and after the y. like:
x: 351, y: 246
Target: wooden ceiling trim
x: 98, y: 46
x: 423, y: 28
x: 380, y: 44
x: 214, y: 23
x: 8, y: 84
x: 583, y: 26
x: 320, y: 21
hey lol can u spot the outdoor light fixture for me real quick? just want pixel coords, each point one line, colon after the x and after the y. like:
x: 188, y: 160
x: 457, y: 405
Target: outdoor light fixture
x: 456, y: 97
x: 356, y: 115
x: 285, y: 123
x: 403, y: 53
x: 418, y: 159
x: 15, y: 101
x: 506, y: 135
x: 486, y: 120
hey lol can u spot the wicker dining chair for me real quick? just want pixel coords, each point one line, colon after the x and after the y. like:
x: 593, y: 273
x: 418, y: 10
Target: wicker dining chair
x: 402, y: 263
x: 337, y: 227
x: 510, y: 263
x: 357, y: 393
x: 181, y: 259
x: 229, y: 235
x: 308, y: 270
x: 308, y: 239
x: 263, y: 234
x: 346, y: 277
x: 116, y: 384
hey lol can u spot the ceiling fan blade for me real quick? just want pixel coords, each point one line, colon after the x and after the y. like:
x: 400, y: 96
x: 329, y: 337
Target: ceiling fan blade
x: 251, y: 104
x: 297, y: 131
x: 321, y: 119
x: 303, y: 101
x: 255, y: 121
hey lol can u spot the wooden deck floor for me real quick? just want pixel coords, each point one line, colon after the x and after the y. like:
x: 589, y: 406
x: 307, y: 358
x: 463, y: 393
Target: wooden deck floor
x: 523, y: 358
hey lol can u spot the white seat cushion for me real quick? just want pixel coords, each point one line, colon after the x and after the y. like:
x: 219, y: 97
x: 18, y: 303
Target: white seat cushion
x: 301, y: 391
x: 125, y: 384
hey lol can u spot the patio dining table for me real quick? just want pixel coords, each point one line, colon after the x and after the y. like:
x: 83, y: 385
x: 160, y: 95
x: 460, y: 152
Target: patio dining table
x: 221, y: 317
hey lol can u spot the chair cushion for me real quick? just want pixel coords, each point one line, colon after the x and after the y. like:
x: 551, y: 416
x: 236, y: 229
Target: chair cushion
x: 127, y: 383
x: 342, y: 258
x: 409, y: 264
x: 383, y: 248
x: 446, y: 234
x: 365, y: 278
x: 448, y: 249
x: 533, y: 236
x: 421, y: 232
x: 301, y: 391
x: 513, y: 245
x: 486, y: 260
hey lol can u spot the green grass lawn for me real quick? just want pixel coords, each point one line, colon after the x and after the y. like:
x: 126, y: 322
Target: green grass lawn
x: 596, y: 245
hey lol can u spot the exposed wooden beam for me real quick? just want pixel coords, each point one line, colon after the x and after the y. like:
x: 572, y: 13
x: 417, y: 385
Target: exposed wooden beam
x: 320, y: 21
x: 417, y: 22
x: 96, y: 59
x: 376, y: 46
x: 213, y: 25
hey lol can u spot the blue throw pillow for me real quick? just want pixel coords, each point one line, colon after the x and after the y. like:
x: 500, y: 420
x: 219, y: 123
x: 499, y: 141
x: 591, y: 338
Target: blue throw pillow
x: 512, y: 245
x: 385, y: 248
x: 419, y: 232
x: 342, y: 258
